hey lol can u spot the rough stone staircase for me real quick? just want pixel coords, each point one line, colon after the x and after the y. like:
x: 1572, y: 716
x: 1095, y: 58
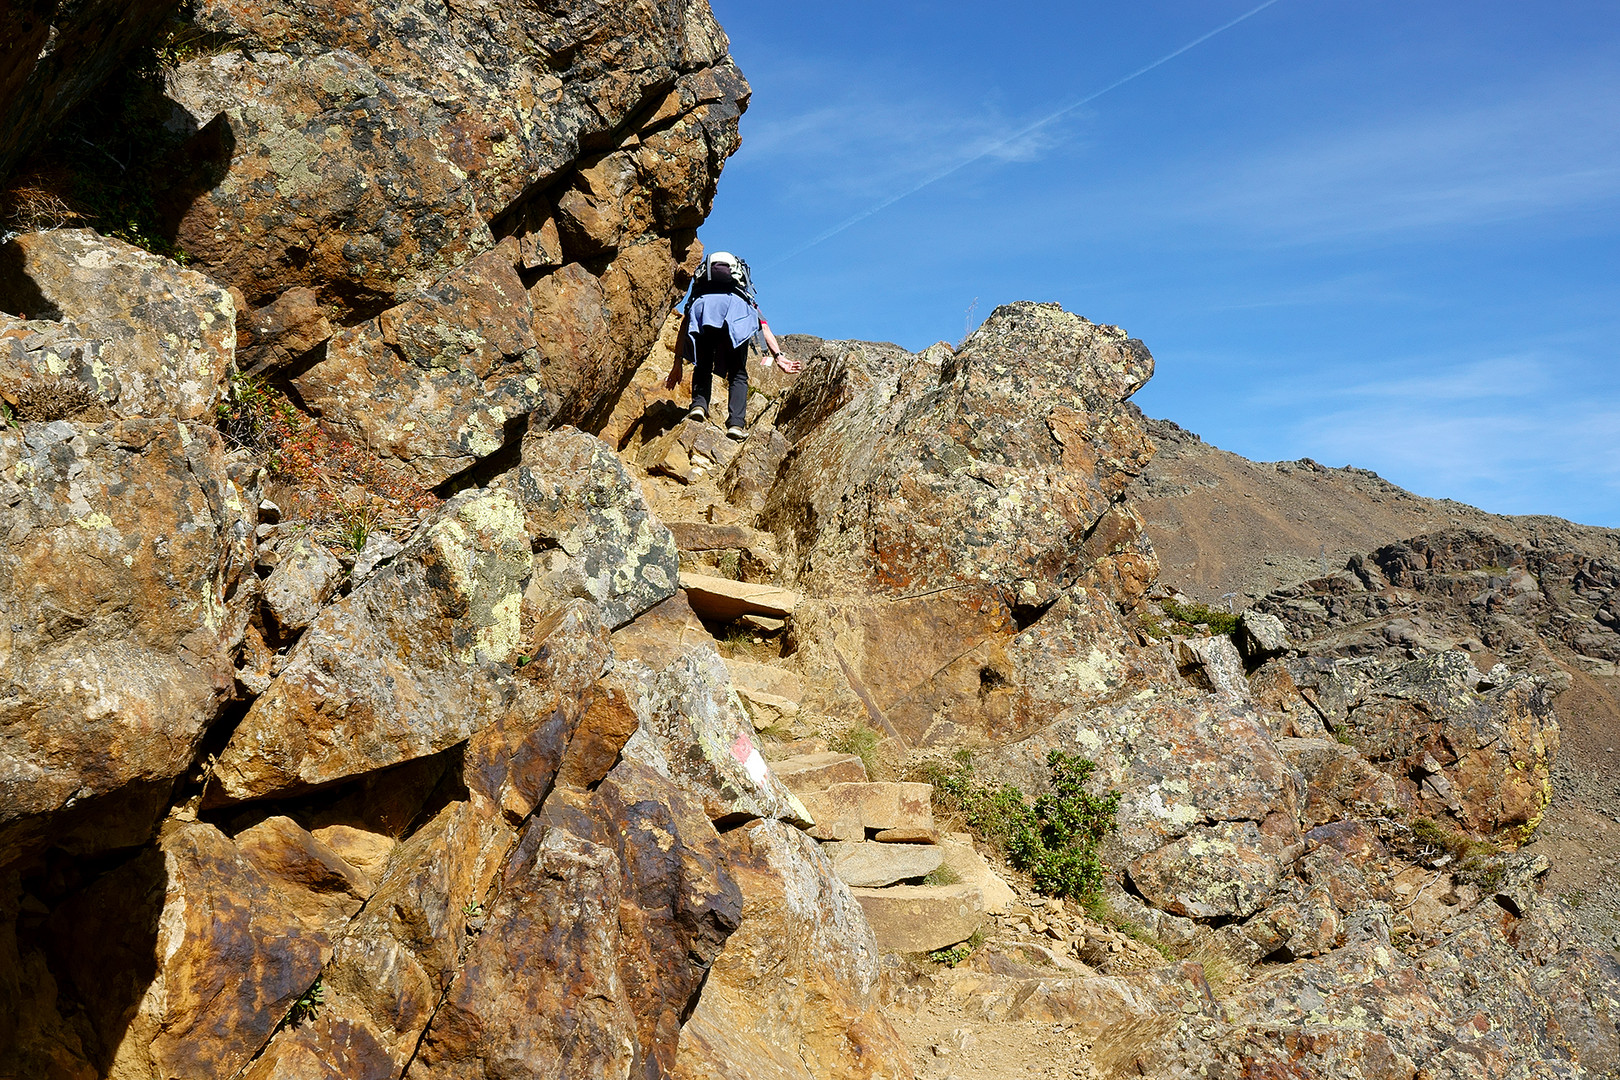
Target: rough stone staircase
x: 1042, y: 969
x: 921, y: 891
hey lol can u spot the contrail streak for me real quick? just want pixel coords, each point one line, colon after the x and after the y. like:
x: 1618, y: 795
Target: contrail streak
x: 1015, y: 136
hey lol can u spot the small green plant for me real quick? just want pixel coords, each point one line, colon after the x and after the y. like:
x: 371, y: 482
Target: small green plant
x: 1341, y: 735
x: 1460, y: 846
x: 472, y: 909
x: 8, y: 418
x: 308, y: 1005
x: 955, y: 954
x: 357, y: 522
x: 1152, y: 626
x: 1100, y: 910
x: 942, y: 875
x: 1191, y: 615
x: 1057, y: 841
x: 860, y: 740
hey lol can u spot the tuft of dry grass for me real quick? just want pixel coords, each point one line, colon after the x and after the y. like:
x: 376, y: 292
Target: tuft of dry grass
x: 46, y: 400
x: 29, y: 207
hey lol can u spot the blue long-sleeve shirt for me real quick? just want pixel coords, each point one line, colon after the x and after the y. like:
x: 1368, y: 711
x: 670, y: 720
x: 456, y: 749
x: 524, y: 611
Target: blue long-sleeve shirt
x: 725, y: 309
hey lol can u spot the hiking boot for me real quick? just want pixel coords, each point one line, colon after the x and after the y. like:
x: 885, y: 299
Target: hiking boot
x: 736, y: 433
x: 697, y: 414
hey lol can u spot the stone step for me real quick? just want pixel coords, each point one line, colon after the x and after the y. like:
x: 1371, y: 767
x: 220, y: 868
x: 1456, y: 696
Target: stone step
x: 869, y: 865
x: 849, y: 811
x: 721, y: 599
x: 806, y: 773
x: 767, y: 679
x: 958, y: 855
x: 922, y: 918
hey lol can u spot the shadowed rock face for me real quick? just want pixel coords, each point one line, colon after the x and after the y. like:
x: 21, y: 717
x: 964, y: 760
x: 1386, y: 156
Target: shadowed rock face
x: 52, y: 54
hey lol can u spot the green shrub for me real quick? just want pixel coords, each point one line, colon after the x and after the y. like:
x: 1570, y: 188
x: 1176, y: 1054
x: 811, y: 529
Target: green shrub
x: 1190, y: 615
x: 1057, y: 841
x: 860, y: 740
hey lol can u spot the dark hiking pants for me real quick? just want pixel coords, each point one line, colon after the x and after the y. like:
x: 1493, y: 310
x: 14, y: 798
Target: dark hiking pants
x: 717, y: 356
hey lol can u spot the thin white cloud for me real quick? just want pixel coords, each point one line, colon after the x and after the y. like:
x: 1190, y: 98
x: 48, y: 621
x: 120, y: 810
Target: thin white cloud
x: 1494, y: 432
x: 1554, y: 149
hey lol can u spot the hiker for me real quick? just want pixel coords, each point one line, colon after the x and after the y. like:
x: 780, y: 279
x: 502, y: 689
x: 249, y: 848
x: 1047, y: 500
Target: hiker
x: 720, y: 319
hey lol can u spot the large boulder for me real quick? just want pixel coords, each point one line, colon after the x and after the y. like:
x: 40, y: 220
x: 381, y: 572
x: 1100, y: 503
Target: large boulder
x: 125, y: 590
x: 942, y: 503
x: 694, y: 730
x: 596, y: 538
x: 144, y: 335
x: 596, y: 944
x: 798, y: 984
x: 413, y: 661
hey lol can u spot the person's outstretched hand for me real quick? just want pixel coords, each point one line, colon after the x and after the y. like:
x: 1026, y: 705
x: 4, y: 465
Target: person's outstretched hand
x: 674, y: 378
x: 787, y: 363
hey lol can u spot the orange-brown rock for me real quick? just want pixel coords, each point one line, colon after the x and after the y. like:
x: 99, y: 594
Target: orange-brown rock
x: 188, y: 957
x: 795, y: 992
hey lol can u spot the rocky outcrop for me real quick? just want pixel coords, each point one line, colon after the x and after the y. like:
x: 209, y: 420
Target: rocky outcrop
x: 936, y: 506
x: 144, y: 336
x: 498, y: 207
x: 126, y: 584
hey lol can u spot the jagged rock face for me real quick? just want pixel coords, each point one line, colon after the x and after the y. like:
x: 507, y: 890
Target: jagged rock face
x: 934, y: 506
x: 788, y: 988
x: 147, y: 337
x: 985, y: 469
x: 600, y: 541
x: 1499, y: 997
x: 499, y: 204
x: 237, y: 932
x: 1481, y: 749
x: 125, y: 584
x: 1448, y: 588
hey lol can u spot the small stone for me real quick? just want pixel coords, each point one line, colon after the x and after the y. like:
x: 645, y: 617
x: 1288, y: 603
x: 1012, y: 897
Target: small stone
x: 269, y: 512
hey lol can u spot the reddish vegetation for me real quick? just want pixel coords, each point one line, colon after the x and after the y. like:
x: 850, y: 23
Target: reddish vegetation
x: 335, y: 482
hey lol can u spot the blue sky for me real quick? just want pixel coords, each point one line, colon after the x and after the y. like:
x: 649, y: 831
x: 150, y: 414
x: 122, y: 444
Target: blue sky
x: 1371, y: 233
